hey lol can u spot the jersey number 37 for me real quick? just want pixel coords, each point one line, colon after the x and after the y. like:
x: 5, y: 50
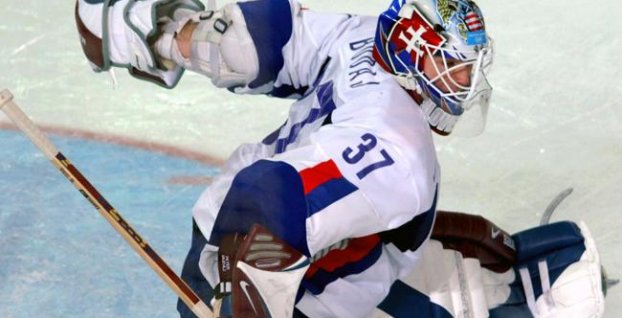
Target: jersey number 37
x: 367, y: 147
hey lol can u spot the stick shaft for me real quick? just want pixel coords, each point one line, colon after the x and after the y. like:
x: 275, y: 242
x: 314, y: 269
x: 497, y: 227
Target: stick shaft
x: 180, y: 288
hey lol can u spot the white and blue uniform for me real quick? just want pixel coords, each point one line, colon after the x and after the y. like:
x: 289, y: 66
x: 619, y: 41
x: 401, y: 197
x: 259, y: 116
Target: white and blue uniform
x: 350, y: 179
x: 354, y: 161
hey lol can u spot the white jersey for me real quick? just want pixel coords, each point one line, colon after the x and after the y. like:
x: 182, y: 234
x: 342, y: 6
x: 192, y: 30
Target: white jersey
x: 350, y: 179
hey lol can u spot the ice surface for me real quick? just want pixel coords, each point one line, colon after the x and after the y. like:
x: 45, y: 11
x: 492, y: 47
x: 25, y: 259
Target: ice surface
x: 60, y: 258
x: 555, y: 120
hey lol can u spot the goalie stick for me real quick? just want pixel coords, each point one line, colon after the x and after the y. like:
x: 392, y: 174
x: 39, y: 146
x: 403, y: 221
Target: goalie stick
x: 183, y: 291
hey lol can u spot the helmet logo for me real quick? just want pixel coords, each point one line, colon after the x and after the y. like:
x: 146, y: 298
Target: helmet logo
x: 415, y: 41
x: 465, y: 17
x: 409, y: 36
x: 473, y: 22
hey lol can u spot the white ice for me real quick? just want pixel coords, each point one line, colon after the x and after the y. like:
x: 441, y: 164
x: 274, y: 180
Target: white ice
x: 554, y: 123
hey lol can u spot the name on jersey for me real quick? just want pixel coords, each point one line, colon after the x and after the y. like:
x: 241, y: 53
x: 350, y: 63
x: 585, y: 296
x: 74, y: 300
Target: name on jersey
x: 361, y: 69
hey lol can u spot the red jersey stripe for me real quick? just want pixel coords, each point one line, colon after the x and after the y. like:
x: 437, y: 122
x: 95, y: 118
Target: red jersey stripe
x: 318, y: 175
x: 356, y: 250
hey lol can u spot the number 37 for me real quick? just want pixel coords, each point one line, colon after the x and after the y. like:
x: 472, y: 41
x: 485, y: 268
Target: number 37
x: 352, y: 156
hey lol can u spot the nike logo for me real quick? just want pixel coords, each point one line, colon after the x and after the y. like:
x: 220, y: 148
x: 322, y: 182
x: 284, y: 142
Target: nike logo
x: 244, y: 286
x: 494, y: 233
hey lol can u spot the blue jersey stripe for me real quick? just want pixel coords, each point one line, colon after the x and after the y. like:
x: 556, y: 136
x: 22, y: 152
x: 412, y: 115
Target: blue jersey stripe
x: 404, y: 301
x: 328, y: 193
x: 289, y: 91
x: 324, y: 95
x: 272, y: 137
x: 269, y: 23
x: 412, y: 234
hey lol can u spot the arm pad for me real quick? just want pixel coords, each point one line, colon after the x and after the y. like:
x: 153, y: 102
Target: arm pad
x: 221, y: 46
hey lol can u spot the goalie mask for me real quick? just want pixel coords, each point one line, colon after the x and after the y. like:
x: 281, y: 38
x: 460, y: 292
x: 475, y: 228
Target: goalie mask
x: 440, y: 49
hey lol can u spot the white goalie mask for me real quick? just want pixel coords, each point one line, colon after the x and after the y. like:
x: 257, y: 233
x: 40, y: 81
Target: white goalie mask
x: 438, y: 48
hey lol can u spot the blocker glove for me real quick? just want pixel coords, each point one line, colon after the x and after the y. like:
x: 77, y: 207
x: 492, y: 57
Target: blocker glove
x: 120, y: 33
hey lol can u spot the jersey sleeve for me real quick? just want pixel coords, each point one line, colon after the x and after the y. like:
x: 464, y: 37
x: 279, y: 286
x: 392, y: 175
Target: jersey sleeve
x: 345, y: 184
x: 292, y: 43
x: 396, y: 183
